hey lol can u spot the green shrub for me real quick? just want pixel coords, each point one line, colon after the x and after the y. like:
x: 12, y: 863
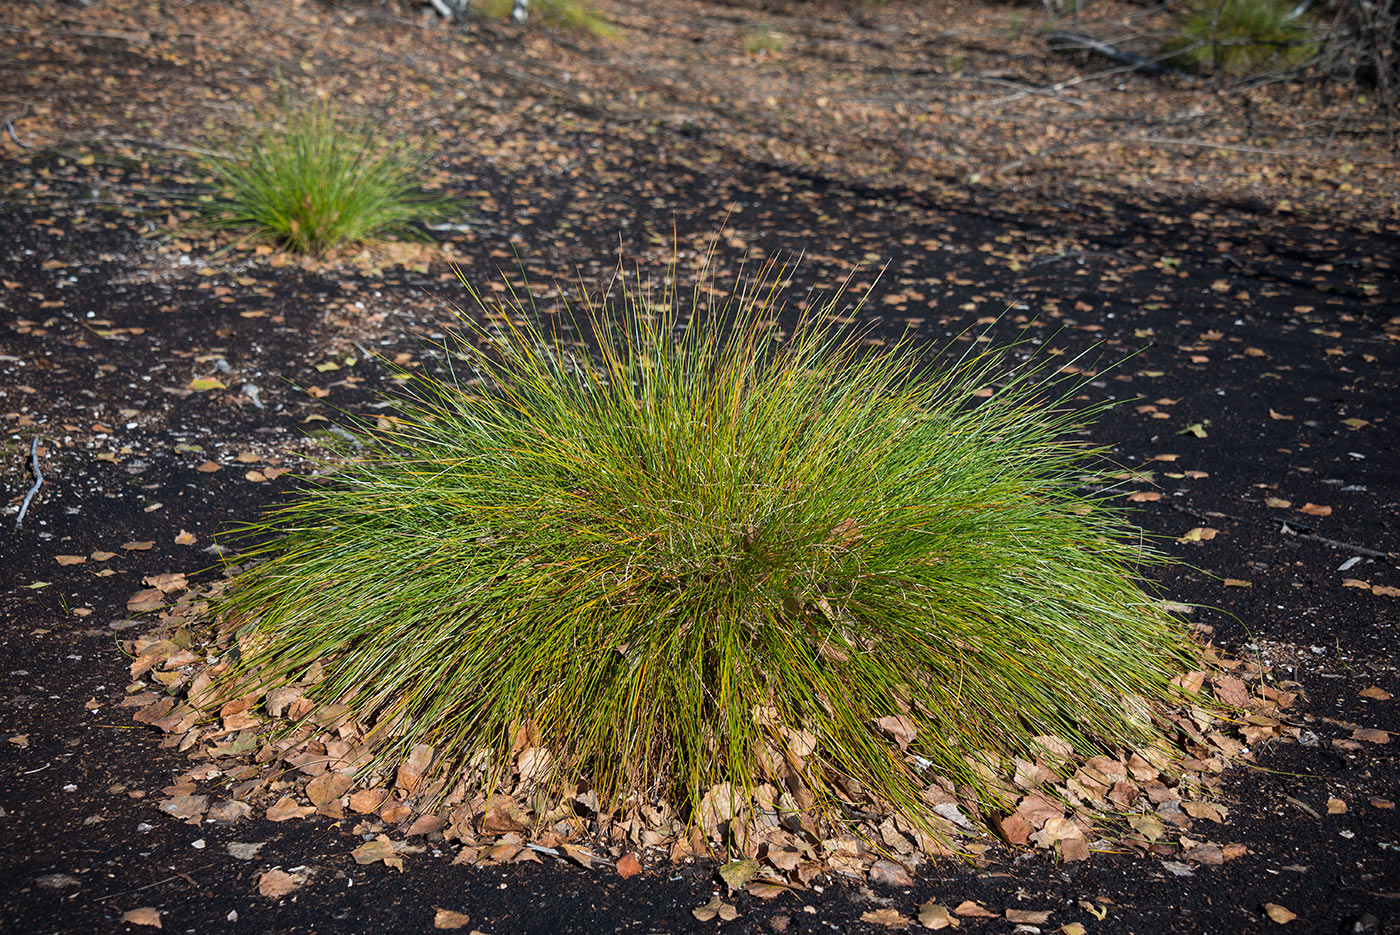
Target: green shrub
x: 1242, y: 37
x: 709, y: 552
x: 573, y: 15
x: 313, y: 182
x: 763, y: 39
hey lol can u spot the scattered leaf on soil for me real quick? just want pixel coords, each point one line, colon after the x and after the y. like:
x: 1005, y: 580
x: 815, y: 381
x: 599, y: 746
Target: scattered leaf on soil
x: 716, y: 907
x: 275, y: 883
x: 889, y: 918
x: 146, y: 915
x: 448, y: 919
x: 287, y: 808
x: 736, y: 873
x: 1028, y: 916
x: 240, y: 850
x: 380, y: 849
x: 934, y: 916
x: 973, y: 910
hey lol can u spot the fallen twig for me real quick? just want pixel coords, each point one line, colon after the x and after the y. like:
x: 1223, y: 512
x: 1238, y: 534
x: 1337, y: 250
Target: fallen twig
x: 1288, y: 530
x: 1063, y: 41
x: 10, y: 129
x: 38, y: 480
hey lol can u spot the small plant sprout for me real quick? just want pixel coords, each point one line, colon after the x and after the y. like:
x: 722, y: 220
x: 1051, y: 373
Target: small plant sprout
x: 714, y: 552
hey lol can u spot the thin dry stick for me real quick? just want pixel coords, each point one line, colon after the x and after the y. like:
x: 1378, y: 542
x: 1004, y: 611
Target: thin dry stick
x: 38, y: 480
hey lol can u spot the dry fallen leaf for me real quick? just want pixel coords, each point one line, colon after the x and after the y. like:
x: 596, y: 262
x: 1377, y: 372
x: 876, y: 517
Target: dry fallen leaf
x: 70, y: 559
x: 1065, y: 836
x: 412, y: 770
x: 1028, y: 916
x: 581, y: 856
x: 973, y: 910
x: 736, y: 873
x: 1145, y: 496
x: 1336, y: 806
x: 243, y: 850
x: 366, y: 800
x: 1199, y: 534
x: 274, y: 884
x: 1375, y: 693
x: 286, y: 808
x: 380, y: 849
x: 1279, y: 914
x: 1370, y: 735
x: 167, y: 583
x: 934, y: 916
x: 887, y: 917
x: 628, y: 866
x: 1313, y: 509
x: 715, y: 907
x: 327, y: 787
x: 1207, y: 810
x: 186, y: 538
x: 899, y: 727
x: 185, y: 807
x: 447, y: 919
x: 888, y: 873
x: 147, y: 600
x: 146, y: 915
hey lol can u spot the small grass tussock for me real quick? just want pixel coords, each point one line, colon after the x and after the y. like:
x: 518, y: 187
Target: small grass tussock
x: 313, y: 181
x: 1242, y: 37
x: 762, y: 40
x: 718, y: 564
x: 572, y: 15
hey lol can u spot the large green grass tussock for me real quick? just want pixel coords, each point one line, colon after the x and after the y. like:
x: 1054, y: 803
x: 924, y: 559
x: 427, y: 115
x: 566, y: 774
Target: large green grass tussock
x: 705, y: 553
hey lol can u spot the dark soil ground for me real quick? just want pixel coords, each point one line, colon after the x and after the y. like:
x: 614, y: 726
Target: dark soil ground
x: 1256, y: 292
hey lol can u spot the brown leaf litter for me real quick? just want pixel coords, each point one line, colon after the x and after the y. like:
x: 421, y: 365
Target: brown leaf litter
x: 279, y: 754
